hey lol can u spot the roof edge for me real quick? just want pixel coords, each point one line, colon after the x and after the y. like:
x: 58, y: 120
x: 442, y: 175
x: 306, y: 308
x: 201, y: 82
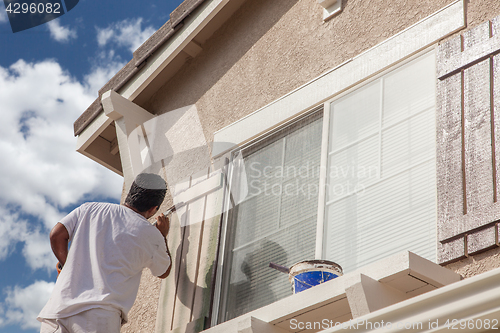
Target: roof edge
x: 140, y: 57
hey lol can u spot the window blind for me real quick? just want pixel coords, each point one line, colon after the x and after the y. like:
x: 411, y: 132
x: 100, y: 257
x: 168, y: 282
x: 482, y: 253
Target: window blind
x: 276, y: 222
x: 381, y: 186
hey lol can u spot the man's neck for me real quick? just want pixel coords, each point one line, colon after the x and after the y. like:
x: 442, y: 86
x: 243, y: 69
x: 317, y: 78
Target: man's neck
x: 135, y: 210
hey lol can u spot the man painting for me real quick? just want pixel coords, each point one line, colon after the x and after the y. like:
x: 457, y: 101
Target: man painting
x: 110, y: 246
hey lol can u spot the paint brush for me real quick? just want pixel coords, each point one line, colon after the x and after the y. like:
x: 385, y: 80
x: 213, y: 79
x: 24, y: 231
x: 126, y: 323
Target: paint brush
x: 174, y: 208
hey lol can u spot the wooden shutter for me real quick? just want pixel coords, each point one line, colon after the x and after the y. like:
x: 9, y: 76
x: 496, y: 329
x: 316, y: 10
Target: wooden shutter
x: 468, y: 102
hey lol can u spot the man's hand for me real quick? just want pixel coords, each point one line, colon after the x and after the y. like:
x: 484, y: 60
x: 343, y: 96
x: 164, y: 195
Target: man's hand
x: 163, y: 224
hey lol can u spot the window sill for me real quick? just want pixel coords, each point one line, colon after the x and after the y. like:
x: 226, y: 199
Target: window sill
x: 370, y: 288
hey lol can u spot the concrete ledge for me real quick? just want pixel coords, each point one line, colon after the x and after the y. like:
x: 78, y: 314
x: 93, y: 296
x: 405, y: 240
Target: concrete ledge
x: 371, y: 288
x: 473, y: 300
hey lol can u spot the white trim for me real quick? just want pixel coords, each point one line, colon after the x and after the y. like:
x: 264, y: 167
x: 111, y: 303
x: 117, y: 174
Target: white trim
x: 116, y: 106
x: 90, y: 144
x: 402, y: 45
x: 182, y: 40
x: 320, y: 226
x: 125, y: 156
x: 127, y: 116
x: 222, y: 246
x: 330, y: 8
x: 100, y: 152
x: 476, y: 298
x: 96, y: 127
x: 200, y: 190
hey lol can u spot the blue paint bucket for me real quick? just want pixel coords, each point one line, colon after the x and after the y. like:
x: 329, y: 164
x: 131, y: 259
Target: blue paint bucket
x: 309, y: 273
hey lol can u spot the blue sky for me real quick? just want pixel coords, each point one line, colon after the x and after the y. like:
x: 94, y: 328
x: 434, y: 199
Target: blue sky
x: 49, y: 75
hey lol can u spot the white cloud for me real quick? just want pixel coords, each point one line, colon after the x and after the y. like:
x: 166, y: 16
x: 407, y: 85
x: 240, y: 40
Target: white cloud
x: 104, y: 35
x: 41, y: 173
x: 60, y: 33
x: 108, y: 66
x: 12, y: 230
x: 37, y: 251
x: 22, y: 305
x: 126, y: 33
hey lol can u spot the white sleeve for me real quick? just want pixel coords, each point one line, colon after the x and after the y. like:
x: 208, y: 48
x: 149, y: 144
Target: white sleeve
x: 70, y: 221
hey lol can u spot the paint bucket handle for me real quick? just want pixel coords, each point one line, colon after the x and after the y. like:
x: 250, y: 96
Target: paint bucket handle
x: 282, y: 269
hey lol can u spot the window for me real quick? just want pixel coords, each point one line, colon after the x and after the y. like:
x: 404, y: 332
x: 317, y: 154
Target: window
x: 379, y: 195
x: 381, y: 178
x: 276, y: 222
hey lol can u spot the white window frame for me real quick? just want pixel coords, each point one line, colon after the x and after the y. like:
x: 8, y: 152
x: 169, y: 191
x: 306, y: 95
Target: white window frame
x: 227, y: 204
x: 385, y: 57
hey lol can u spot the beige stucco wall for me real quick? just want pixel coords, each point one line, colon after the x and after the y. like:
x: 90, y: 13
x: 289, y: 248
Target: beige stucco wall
x: 269, y: 48
x: 477, y: 264
x: 142, y: 316
x: 479, y: 11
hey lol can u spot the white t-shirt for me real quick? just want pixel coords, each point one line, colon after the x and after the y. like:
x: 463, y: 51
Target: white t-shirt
x: 110, y: 246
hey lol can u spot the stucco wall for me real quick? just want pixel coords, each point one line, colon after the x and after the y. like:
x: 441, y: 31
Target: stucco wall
x: 479, y: 11
x: 269, y: 48
x: 142, y: 316
x: 477, y: 264
x: 250, y: 62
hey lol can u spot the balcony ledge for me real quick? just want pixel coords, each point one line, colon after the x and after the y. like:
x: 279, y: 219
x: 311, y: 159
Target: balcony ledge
x: 363, y: 292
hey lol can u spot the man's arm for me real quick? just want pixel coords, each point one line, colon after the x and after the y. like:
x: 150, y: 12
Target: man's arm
x: 59, y: 238
x: 163, y: 225
x: 167, y: 273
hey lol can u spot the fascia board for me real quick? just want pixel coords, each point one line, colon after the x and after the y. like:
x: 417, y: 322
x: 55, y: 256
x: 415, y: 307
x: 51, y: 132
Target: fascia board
x: 91, y: 135
x: 157, y: 62
x: 96, y: 127
x: 401, y: 46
